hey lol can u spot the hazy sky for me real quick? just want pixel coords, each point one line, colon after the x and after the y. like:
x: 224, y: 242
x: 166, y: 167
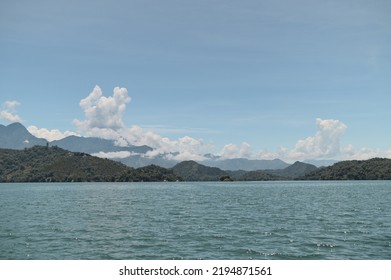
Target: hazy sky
x: 254, y: 78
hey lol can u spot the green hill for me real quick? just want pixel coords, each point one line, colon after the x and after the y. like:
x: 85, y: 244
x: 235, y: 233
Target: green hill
x: 44, y: 164
x: 372, y: 169
x: 193, y: 171
x: 295, y: 170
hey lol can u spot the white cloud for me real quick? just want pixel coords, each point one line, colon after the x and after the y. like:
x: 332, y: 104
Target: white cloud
x: 280, y: 154
x: 325, y: 144
x: 103, y: 112
x: 11, y: 104
x: 8, y: 112
x: 104, y: 118
x: 114, y: 155
x: 184, y: 148
x: 50, y: 135
x: 233, y: 151
x: 350, y: 153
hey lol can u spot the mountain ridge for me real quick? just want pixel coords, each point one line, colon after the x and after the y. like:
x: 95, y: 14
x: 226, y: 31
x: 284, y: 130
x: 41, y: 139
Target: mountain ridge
x: 53, y: 164
x: 16, y: 136
x: 370, y: 169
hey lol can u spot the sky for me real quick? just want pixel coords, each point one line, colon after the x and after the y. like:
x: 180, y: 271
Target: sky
x: 259, y: 79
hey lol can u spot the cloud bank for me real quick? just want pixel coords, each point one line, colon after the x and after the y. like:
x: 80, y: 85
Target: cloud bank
x: 104, y: 118
x: 50, y: 135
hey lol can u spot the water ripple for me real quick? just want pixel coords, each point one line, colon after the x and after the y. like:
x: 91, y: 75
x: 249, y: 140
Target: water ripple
x: 252, y: 220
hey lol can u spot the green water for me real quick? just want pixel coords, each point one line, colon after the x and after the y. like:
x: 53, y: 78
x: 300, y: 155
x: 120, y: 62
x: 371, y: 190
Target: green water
x: 235, y: 220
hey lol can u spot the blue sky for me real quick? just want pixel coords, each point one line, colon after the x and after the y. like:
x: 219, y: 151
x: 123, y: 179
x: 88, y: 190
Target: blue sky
x: 260, y: 79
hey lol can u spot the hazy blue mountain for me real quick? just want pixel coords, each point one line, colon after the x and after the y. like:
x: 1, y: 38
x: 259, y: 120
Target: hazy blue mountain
x: 16, y: 136
x: 92, y: 145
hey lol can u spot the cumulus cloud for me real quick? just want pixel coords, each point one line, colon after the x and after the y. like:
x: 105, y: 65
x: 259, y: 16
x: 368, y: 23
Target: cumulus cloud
x: 8, y: 111
x: 184, y: 148
x: 103, y: 113
x: 325, y: 143
x: 104, y: 119
x: 49, y: 135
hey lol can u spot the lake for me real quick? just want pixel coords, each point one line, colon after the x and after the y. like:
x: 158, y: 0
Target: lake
x: 212, y: 220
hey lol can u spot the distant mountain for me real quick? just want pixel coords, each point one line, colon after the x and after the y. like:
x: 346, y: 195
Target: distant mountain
x: 193, y: 171
x: 321, y: 162
x: 246, y: 164
x: 53, y: 164
x: 20, y: 163
x: 289, y: 173
x: 371, y: 169
x: 92, y: 145
x: 141, y: 160
x: 16, y: 136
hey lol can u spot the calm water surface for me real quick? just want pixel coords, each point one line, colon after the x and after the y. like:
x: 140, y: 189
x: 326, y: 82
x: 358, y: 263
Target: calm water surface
x: 252, y: 220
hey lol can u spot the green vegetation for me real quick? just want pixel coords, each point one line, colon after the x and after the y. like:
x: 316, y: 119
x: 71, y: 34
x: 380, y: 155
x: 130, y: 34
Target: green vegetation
x: 293, y: 171
x: 44, y: 164
x: 193, y: 171
x: 260, y: 175
x: 372, y: 169
x: 226, y: 178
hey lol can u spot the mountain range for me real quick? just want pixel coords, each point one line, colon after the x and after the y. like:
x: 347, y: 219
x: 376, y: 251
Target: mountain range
x: 26, y: 158
x: 16, y: 136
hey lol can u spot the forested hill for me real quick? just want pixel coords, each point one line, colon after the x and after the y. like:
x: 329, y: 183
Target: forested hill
x: 372, y: 169
x: 53, y: 164
x: 193, y: 171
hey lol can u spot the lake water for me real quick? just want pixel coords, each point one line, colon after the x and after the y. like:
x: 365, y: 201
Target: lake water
x: 235, y: 220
